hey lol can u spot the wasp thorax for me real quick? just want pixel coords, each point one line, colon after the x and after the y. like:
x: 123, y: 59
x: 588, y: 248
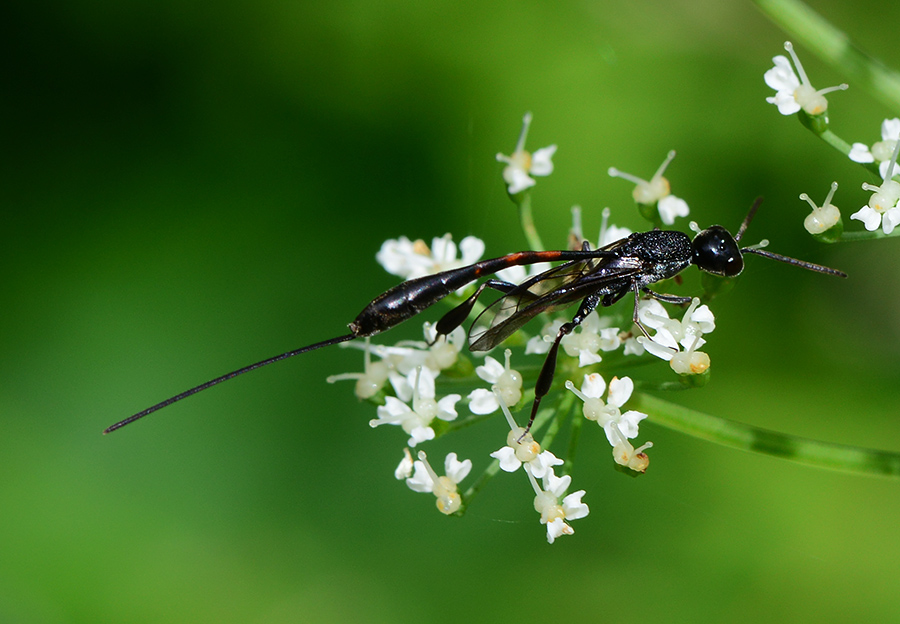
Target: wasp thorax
x: 715, y: 251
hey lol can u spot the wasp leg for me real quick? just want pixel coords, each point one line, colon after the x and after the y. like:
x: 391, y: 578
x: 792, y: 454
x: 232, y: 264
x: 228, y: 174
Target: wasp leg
x: 545, y: 378
x: 675, y: 299
x: 457, y: 316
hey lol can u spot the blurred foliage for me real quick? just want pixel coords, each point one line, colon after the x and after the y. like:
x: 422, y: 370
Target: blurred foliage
x: 189, y: 188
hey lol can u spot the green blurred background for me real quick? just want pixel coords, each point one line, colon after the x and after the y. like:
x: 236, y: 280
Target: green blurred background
x: 188, y: 188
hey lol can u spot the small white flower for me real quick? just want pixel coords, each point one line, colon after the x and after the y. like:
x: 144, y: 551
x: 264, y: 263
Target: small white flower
x: 626, y: 455
x: 554, y: 512
x: 425, y: 479
x: 409, y: 260
x: 822, y: 217
x: 656, y: 191
x: 521, y: 449
x: 794, y: 92
x: 589, y: 338
x: 609, y: 414
x: 672, y: 336
x: 434, y: 353
x: 585, y: 342
x: 505, y: 381
x: 882, y: 210
x: 416, y: 419
x: 540, y: 344
x: 521, y: 165
x: 880, y: 152
x: 374, y: 375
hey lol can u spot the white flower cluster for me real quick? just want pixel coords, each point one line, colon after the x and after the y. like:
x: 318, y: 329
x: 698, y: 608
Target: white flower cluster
x: 882, y: 209
x: 403, y: 377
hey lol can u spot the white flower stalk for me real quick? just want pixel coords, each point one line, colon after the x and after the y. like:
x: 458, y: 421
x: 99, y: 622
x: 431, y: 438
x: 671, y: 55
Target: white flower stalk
x: 426, y: 480
x: 521, y: 449
x: 372, y: 379
x: 415, y: 419
x: 656, y: 191
x: 793, y: 90
x: 882, y: 210
x: 506, y: 383
x: 554, y: 512
x: 521, y: 165
x: 608, y: 414
x: 411, y: 259
x: 881, y: 151
x: 677, y: 341
x: 822, y: 217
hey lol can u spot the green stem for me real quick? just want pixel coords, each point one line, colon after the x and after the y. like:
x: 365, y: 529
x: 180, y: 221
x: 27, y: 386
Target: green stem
x: 852, y: 459
x: 527, y: 221
x: 835, y: 48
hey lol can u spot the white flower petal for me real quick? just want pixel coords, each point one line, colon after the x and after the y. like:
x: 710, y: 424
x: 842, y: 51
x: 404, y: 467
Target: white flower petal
x: 447, y: 407
x: 890, y: 129
x: 472, y: 249
x: 890, y: 220
x: 593, y: 386
x: 508, y: 460
x: 541, y: 165
x: 491, y: 370
x: 620, y: 391
x: 482, y: 401
x: 628, y: 424
x: 420, y: 434
x: 573, y: 506
x: 859, y: 152
x: 421, y: 480
x: 517, y: 179
x: 870, y: 218
x: 456, y: 470
x: 671, y: 207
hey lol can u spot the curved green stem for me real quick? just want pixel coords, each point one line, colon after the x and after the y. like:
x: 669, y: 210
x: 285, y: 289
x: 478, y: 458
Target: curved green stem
x: 527, y: 221
x: 852, y: 459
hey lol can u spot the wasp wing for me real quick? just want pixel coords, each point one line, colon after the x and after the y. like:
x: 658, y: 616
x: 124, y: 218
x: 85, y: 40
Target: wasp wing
x: 552, y: 290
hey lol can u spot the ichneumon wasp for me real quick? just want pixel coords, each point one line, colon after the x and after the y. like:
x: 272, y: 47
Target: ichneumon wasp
x: 595, y: 277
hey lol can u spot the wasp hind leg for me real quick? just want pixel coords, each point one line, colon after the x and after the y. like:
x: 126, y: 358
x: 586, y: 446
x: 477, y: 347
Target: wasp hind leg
x: 545, y: 378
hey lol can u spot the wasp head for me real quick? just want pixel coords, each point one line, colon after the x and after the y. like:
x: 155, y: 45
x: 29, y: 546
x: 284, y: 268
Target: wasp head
x: 715, y: 251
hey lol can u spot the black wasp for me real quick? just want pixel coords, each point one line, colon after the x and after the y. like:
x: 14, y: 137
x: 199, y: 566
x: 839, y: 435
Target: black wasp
x: 592, y: 276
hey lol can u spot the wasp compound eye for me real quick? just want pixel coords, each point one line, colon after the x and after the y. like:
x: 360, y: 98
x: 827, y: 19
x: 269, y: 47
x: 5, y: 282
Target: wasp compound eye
x: 715, y: 251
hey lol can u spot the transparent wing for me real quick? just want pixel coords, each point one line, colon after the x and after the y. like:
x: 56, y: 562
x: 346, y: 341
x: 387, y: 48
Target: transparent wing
x: 552, y: 290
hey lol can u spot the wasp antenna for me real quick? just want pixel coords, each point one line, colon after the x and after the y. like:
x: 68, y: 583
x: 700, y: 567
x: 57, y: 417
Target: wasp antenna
x: 818, y: 268
x: 226, y: 377
x: 748, y: 219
